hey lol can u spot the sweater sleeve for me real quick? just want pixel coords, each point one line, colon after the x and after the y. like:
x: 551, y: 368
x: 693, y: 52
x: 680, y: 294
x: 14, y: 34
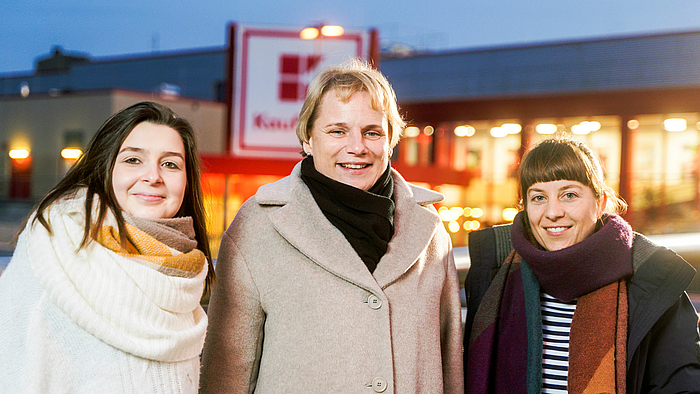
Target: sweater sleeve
x: 233, y: 344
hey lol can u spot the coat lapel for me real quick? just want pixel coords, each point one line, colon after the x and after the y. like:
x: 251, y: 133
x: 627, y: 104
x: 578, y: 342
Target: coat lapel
x: 415, y: 224
x: 301, y: 222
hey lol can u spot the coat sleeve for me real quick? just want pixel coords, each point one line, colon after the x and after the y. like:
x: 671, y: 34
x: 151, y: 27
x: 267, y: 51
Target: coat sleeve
x: 451, y: 330
x: 672, y: 364
x: 234, y: 339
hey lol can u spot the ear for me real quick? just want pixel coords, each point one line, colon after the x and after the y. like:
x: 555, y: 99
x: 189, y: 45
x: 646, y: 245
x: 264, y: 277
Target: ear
x: 308, y: 147
x: 602, y: 203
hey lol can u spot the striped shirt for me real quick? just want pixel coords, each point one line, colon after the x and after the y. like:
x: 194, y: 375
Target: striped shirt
x: 556, y: 324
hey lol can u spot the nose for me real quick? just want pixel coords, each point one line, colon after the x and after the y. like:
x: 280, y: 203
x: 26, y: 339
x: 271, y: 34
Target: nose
x: 555, y: 209
x: 356, y: 143
x: 152, y: 174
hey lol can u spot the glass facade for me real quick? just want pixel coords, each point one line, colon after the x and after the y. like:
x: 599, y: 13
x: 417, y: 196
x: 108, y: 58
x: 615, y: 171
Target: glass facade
x: 663, y: 177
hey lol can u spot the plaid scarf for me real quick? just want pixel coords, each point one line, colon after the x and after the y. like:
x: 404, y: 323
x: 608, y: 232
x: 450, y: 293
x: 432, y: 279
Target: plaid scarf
x: 505, y: 347
x: 160, y: 244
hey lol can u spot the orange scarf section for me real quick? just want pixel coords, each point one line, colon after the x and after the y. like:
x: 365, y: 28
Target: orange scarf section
x: 141, y: 245
x: 598, y: 345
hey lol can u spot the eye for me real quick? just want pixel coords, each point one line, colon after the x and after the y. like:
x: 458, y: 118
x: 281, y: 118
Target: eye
x: 537, y: 198
x: 570, y: 195
x: 171, y: 165
x: 132, y: 160
x: 373, y: 134
x: 336, y: 132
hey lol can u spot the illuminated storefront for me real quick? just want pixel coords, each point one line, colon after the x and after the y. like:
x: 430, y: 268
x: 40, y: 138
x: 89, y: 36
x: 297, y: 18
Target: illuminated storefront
x: 634, y: 100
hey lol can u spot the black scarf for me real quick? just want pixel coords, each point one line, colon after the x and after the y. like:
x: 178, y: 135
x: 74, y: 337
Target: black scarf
x: 366, y: 218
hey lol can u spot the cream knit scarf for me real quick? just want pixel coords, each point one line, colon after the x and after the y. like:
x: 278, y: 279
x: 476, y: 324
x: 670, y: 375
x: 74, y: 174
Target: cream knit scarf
x: 143, y: 301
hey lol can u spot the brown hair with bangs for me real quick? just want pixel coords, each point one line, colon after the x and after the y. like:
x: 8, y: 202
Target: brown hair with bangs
x: 563, y: 158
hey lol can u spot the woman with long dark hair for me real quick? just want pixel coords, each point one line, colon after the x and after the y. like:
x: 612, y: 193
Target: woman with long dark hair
x: 103, y: 291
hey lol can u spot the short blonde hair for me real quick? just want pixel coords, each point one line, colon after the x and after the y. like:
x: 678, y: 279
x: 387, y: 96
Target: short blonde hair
x: 347, y: 79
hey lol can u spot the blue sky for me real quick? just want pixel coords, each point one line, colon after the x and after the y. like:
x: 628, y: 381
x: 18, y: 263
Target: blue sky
x: 30, y: 28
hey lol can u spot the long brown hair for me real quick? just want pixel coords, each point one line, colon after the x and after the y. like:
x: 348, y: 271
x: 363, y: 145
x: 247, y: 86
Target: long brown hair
x: 94, y: 171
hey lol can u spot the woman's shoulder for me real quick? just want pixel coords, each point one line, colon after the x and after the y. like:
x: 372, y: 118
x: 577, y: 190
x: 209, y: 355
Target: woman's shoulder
x: 421, y: 195
x: 275, y: 193
x: 655, y: 264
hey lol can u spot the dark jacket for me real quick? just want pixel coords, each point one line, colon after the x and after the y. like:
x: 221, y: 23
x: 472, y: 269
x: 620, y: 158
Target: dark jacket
x: 663, y: 345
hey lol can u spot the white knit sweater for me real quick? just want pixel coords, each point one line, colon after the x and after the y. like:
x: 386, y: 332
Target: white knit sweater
x: 94, y: 321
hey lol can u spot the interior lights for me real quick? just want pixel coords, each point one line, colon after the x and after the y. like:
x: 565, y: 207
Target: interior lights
x: 448, y: 215
x: 579, y: 130
x: 511, y: 128
x: 633, y: 124
x: 411, y: 131
x: 71, y: 153
x: 477, y: 212
x: 546, y: 128
x: 457, y: 211
x: 464, y: 131
x: 471, y: 225
x: 453, y: 226
x: 675, y: 124
x: 498, y: 132
x: 509, y: 214
x: 19, y: 153
x: 428, y: 130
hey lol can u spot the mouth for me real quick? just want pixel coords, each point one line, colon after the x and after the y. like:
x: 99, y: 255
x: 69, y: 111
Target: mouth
x: 149, y: 197
x: 556, y: 230
x: 351, y: 166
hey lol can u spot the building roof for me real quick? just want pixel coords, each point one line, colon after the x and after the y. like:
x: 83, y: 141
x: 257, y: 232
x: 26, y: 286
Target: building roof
x: 662, y: 61
x: 669, y: 60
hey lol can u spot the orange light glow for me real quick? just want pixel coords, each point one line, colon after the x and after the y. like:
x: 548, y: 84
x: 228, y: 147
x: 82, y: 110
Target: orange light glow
x: 19, y: 153
x: 332, y: 31
x: 309, y: 33
x: 71, y: 153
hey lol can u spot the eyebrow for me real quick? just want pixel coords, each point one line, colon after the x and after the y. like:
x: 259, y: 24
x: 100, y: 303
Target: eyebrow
x: 345, y: 125
x: 570, y: 186
x: 141, y: 150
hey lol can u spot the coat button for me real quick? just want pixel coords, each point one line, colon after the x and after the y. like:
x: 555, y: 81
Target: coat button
x: 379, y: 385
x: 374, y: 302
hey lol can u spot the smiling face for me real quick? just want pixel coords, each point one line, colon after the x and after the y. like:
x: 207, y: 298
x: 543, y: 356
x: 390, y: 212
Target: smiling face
x: 562, y: 213
x: 149, y: 175
x: 349, y: 140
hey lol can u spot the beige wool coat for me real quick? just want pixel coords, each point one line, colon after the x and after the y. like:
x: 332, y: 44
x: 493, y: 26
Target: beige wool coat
x: 296, y: 310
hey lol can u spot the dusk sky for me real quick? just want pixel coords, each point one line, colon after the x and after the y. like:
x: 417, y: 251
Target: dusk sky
x: 31, y: 28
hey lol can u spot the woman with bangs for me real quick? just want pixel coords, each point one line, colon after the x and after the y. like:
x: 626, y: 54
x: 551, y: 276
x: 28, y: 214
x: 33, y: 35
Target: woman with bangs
x: 568, y: 299
x: 338, y: 278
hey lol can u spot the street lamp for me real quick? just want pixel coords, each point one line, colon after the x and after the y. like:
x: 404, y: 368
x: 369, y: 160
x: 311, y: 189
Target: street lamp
x: 312, y: 32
